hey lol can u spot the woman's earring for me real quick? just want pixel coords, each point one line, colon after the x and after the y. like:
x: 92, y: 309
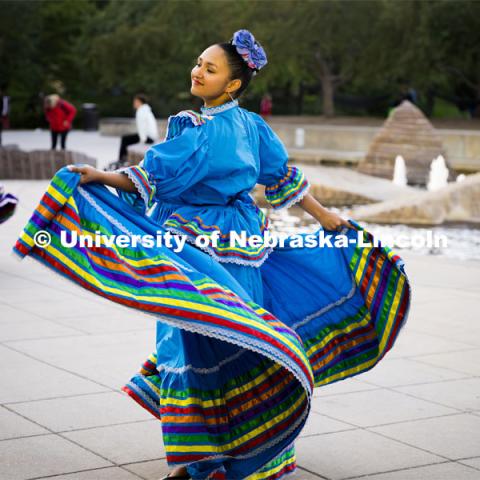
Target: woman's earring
x: 230, y: 96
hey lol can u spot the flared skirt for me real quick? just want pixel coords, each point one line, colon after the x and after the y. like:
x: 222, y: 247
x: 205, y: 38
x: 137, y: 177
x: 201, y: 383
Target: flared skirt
x: 238, y: 349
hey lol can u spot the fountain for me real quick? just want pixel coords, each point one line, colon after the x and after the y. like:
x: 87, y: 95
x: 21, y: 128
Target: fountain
x: 438, y: 175
x: 400, y: 172
x: 461, y: 177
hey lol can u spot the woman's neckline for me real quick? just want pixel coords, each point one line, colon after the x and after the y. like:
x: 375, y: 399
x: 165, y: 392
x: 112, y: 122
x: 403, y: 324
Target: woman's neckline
x: 219, y: 108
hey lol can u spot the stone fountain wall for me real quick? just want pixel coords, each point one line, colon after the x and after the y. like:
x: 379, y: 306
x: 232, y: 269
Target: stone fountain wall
x: 406, y: 132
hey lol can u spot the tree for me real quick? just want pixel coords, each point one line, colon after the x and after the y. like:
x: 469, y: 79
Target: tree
x: 327, y: 37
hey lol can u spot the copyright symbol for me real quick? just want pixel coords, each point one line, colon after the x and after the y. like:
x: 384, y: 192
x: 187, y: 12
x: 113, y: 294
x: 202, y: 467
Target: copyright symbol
x: 42, y: 239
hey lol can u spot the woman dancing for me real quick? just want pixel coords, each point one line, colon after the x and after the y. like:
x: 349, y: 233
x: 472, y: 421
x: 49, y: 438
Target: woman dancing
x: 244, y: 332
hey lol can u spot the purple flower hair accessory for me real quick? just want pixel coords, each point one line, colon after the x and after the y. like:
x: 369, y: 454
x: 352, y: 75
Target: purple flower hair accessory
x: 249, y: 49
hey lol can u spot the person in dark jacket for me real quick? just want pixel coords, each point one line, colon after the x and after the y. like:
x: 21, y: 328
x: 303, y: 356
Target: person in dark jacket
x: 4, y: 111
x: 60, y: 115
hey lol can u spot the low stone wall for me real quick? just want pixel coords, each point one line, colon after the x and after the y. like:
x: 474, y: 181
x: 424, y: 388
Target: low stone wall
x: 118, y: 126
x: 37, y: 164
x: 338, y: 143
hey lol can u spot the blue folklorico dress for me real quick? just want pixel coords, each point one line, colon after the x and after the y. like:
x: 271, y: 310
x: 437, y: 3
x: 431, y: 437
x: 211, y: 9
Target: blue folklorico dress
x: 244, y: 333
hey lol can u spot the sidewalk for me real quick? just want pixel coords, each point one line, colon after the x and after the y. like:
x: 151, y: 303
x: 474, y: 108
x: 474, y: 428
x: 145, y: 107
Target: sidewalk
x: 65, y: 353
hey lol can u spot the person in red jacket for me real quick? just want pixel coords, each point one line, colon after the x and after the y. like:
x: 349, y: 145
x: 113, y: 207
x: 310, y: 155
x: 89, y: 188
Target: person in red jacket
x: 60, y: 115
x: 266, y: 106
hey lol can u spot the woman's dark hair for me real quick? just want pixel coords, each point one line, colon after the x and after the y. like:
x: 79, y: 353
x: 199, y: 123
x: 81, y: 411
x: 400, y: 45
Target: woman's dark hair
x: 142, y: 97
x: 238, y: 67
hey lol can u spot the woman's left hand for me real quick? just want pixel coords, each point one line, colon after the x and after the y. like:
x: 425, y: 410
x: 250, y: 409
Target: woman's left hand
x: 332, y: 221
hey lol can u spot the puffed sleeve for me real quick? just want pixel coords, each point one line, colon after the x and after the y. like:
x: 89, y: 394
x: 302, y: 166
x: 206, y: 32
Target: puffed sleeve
x: 284, y: 184
x: 168, y: 168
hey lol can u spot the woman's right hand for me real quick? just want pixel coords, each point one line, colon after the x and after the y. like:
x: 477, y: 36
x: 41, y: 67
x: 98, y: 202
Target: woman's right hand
x: 87, y: 172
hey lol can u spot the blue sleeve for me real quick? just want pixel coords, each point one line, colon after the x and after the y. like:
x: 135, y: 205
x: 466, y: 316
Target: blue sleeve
x: 179, y: 163
x: 284, y: 184
x: 168, y: 168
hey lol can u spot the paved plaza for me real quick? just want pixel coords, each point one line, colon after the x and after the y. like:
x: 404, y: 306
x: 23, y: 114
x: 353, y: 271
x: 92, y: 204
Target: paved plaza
x: 65, y: 353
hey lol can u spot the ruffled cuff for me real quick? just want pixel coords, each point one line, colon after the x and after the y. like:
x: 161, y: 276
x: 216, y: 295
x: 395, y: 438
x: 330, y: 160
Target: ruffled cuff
x: 143, y: 198
x: 288, y: 190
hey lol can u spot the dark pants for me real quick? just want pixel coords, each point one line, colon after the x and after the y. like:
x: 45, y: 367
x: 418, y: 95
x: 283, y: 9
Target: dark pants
x: 63, y: 139
x: 126, y: 141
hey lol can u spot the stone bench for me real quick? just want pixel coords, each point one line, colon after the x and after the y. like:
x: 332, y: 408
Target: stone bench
x: 318, y: 156
x: 118, y: 126
x: 136, y: 152
x: 37, y: 164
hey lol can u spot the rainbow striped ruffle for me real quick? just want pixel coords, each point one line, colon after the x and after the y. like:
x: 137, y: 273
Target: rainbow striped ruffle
x: 193, y: 221
x: 158, y: 282
x: 328, y: 314
x: 289, y: 190
x: 143, y: 198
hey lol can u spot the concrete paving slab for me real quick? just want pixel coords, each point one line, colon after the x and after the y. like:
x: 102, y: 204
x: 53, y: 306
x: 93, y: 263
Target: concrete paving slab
x: 132, y: 442
x: 348, y: 385
x: 150, y: 470
x: 404, y: 371
x: 37, y: 328
x: 110, y: 359
x: 357, y: 452
x: 69, y: 307
x: 16, y: 296
x: 119, y: 321
x: 84, y: 411
x: 467, y: 362
x: 109, y: 473
x: 318, y: 424
x: 471, y: 462
x: 443, y: 471
x: 453, y: 436
x: 461, y: 394
x: 14, y: 313
x: 377, y: 407
x: 412, y: 343
x: 34, y: 457
x: 15, y: 426
x: 27, y: 379
x: 457, y: 313
x: 461, y: 276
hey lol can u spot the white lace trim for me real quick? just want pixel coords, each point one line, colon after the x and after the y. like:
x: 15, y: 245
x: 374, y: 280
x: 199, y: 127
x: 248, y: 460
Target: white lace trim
x: 293, y: 200
x: 140, y: 189
x: 220, y: 108
x: 201, y: 371
x: 239, y: 261
x: 142, y: 395
x: 328, y: 307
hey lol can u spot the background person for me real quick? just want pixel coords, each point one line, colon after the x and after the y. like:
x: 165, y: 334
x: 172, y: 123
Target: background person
x: 4, y: 111
x: 266, y: 105
x: 60, y: 115
x: 147, y: 131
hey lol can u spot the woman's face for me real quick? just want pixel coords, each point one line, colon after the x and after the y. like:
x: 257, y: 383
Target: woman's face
x: 211, y: 75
